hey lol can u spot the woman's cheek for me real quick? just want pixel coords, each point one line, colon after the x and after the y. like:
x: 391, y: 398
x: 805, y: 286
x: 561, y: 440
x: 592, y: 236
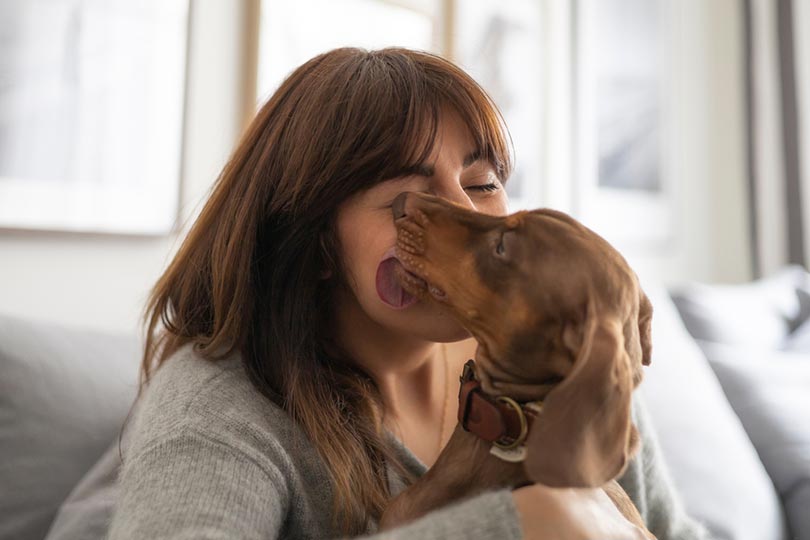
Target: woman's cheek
x: 497, y: 206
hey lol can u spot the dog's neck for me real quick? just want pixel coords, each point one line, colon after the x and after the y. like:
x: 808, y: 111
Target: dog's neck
x: 495, y: 381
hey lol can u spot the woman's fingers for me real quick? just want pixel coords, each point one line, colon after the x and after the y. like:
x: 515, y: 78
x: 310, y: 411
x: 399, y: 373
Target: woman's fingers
x: 571, y: 514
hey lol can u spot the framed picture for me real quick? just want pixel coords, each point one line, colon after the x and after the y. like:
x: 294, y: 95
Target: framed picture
x: 91, y: 114
x: 500, y: 43
x: 623, y: 192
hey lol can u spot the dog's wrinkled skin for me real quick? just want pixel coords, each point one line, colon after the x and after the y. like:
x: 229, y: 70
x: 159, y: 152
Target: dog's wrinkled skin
x: 559, y: 316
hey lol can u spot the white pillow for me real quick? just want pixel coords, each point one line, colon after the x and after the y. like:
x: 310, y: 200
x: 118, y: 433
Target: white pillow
x: 712, y: 462
x: 770, y: 391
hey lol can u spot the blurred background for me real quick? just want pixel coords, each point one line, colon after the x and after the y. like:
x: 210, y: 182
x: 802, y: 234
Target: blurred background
x: 677, y: 129
x: 673, y: 128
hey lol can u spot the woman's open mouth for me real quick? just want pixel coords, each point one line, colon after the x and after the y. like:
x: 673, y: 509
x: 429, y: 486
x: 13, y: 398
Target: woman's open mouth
x: 399, y: 288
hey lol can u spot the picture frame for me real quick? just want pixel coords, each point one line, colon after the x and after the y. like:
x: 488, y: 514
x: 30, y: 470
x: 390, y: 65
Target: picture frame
x: 622, y: 188
x: 500, y: 43
x: 92, y: 118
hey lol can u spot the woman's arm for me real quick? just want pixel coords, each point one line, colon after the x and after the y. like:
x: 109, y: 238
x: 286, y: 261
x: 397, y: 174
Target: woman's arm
x: 191, y: 486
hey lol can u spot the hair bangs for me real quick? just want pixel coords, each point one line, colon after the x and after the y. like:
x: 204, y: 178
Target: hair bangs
x: 483, y: 120
x: 412, y: 89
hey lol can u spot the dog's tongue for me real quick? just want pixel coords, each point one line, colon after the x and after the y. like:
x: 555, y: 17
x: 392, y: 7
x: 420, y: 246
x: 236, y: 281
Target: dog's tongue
x: 388, y: 287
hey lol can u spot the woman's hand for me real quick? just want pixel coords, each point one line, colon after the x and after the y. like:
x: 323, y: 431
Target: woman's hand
x: 571, y: 514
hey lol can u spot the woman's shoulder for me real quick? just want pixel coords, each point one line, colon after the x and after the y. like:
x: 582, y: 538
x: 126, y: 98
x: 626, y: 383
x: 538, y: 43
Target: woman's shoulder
x: 213, y: 399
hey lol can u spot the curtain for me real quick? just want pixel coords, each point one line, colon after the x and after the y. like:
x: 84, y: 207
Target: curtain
x: 776, y: 59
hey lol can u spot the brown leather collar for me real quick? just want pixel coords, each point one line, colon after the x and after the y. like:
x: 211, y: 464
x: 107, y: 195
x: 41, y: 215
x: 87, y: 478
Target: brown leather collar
x: 501, y: 421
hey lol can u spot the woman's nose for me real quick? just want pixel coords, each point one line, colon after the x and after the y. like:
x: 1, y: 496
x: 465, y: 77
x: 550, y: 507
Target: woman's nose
x: 398, y: 205
x: 455, y: 193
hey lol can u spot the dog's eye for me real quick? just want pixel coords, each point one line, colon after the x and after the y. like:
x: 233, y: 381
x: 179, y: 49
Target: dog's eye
x: 500, y: 249
x: 504, y: 249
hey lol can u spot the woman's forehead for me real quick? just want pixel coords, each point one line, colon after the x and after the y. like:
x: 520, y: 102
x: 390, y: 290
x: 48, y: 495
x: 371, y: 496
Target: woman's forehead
x: 451, y: 133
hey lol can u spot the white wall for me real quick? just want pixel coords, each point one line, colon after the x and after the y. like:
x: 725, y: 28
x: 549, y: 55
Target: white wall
x: 102, y: 281
x: 801, y: 34
x: 728, y: 216
x: 707, y: 158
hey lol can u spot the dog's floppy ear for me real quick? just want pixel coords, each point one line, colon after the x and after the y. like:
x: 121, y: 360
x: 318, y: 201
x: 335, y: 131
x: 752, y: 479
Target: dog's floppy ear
x: 645, y: 313
x: 583, y: 437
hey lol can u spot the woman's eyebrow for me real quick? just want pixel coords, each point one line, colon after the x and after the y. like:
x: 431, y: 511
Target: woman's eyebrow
x: 422, y: 169
x: 471, y: 158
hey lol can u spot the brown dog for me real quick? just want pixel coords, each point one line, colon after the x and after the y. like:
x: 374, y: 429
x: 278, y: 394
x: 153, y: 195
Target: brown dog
x: 560, y: 319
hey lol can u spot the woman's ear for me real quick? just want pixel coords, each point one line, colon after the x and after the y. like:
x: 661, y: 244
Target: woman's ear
x: 583, y: 437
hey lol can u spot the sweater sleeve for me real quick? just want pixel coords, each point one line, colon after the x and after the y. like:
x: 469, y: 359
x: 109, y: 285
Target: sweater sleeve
x: 191, y: 486
x: 648, y: 483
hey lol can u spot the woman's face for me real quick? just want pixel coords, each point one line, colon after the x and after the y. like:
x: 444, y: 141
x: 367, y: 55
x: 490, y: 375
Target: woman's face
x: 367, y: 236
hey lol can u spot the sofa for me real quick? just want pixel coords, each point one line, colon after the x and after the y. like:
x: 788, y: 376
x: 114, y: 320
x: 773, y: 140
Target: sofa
x: 728, y: 391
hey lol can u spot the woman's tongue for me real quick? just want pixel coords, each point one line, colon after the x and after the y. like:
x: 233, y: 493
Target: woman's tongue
x: 388, y: 288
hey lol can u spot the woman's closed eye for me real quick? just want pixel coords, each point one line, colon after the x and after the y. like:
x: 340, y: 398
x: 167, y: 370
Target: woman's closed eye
x: 483, y: 182
x: 491, y: 186
x: 488, y: 188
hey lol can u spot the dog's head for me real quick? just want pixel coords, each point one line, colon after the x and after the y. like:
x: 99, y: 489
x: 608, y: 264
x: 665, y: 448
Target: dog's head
x: 558, y: 315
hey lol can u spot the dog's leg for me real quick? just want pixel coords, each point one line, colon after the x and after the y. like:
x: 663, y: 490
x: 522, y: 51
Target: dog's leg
x: 464, y: 468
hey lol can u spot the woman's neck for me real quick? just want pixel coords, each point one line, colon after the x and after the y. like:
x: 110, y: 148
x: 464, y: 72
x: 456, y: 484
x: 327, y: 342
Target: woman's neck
x: 417, y: 379
x: 408, y: 374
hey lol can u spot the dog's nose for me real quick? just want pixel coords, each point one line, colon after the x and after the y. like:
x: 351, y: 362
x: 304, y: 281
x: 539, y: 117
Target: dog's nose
x: 398, y: 205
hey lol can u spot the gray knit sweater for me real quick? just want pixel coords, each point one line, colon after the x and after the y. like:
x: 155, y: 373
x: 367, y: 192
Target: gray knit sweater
x: 210, y: 457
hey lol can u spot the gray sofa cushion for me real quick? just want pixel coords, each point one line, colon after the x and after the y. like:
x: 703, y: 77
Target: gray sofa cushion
x: 799, y: 340
x: 86, y: 512
x: 64, y: 394
x: 711, y: 460
x: 769, y: 392
x: 761, y: 313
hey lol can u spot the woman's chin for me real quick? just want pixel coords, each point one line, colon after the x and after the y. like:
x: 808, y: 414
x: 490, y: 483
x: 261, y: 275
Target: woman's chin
x: 432, y: 323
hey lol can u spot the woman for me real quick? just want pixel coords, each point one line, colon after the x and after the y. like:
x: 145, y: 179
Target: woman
x: 299, y: 387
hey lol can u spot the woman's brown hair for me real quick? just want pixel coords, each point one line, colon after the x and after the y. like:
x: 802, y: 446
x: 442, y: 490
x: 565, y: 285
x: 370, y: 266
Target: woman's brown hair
x: 251, y: 275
